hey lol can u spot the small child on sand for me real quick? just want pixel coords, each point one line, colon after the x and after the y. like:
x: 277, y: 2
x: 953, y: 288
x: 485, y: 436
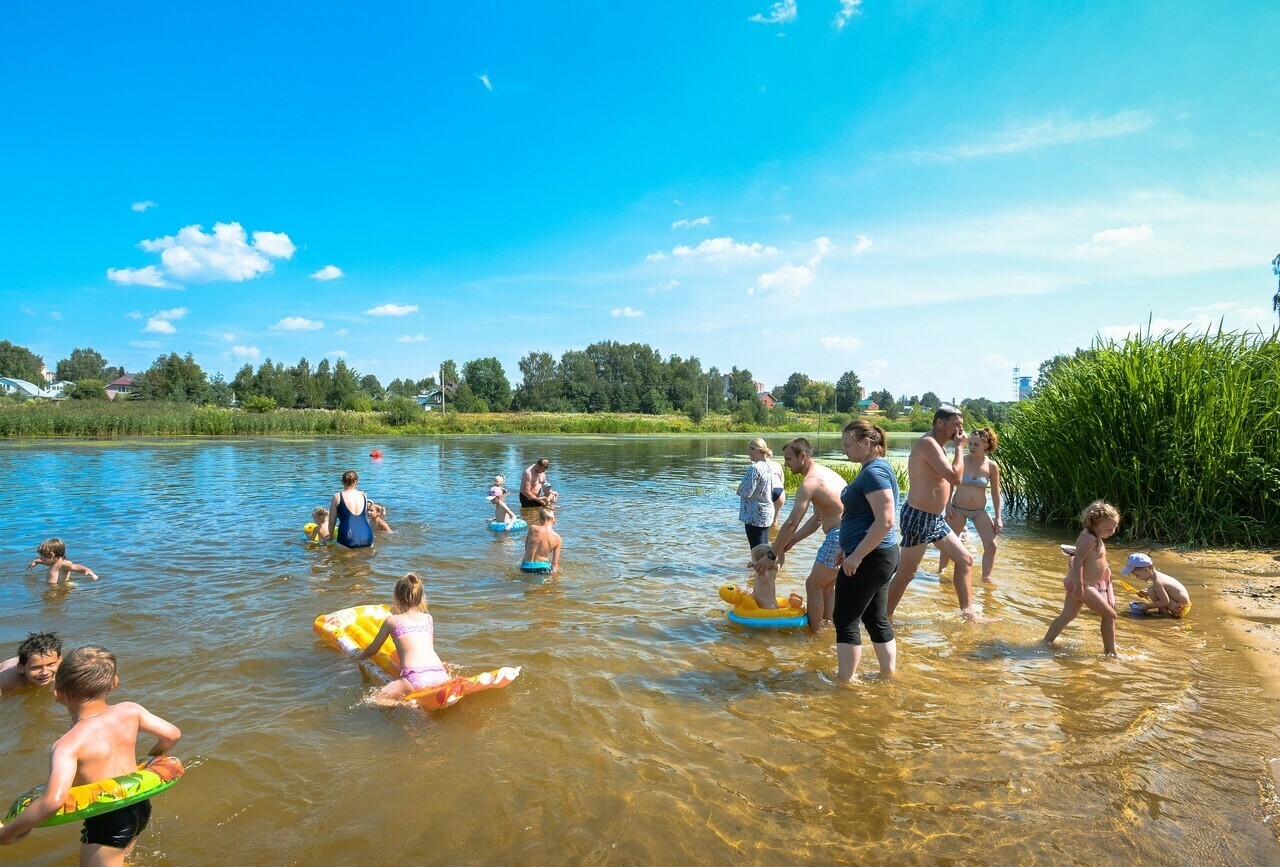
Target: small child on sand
x: 1166, y: 595
x: 542, y: 545
x: 765, y: 589
x: 1088, y: 580
x: 35, y: 665
x: 412, y: 630
x: 320, y: 532
x: 377, y: 516
x: 99, y: 745
x: 501, y: 511
x: 53, y: 553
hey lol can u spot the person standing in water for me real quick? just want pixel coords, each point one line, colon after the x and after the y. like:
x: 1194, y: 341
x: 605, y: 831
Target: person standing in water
x: 349, y: 507
x: 532, y: 482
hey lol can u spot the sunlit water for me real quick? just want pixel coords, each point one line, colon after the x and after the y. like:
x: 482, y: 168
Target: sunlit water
x: 645, y: 728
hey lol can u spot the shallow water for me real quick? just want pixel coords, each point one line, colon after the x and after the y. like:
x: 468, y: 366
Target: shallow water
x: 645, y: 728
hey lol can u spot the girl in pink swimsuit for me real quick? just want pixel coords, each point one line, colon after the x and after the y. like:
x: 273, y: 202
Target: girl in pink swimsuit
x: 1088, y: 580
x: 413, y: 631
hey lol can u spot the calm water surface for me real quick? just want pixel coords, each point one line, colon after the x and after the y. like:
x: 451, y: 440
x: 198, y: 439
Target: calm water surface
x: 645, y: 727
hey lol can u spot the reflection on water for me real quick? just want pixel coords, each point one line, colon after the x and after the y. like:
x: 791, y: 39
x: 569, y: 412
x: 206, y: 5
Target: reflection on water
x: 645, y: 727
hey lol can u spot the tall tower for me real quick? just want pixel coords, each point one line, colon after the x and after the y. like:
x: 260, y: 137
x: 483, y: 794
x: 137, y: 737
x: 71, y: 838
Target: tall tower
x: 1017, y: 377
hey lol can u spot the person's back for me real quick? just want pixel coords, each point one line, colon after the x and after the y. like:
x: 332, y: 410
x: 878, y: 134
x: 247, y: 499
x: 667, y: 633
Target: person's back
x: 542, y: 544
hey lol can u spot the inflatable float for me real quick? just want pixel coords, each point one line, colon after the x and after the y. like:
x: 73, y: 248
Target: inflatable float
x: 153, y: 776
x: 309, y: 528
x: 747, y: 612
x: 351, y: 630
x: 519, y: 525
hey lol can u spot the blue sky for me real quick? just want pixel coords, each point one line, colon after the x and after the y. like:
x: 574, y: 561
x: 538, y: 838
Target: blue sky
x: 927, y: 193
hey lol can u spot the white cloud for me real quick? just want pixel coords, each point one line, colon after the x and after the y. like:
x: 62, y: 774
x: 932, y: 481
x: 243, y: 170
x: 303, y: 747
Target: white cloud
x: 328, y: 272
x: 872, y: 371
x: 249, y: 353
x: 723, y: 248
x: 626, y: 312
x: 664, y: 286
x: 688, y: 224
x: 412, y: 338
x: 862, y: 245
x: 782, y: 12
x: 848, y: 9
x: 228, y: 336
x: 198, y: 257
x: 338, y: 353
x: 341, y: 332
x: 484, y: 79
x: 786, y: 281
x: 148, y: 276
x: 162, y: 322
x: 655, y: 257
x: 143, y: 206
x: 392, y: 310
x: 846, y: 344
x: 823, y: 245
x: 1038, y: 134
x: 297, y: 323
x: 146, y: 344
x: 134, y: 314
x: 1113, y: 239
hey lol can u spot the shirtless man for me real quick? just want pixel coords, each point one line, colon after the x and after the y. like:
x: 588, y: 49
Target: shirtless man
x: 923, y: 520
x: 532, y: 482
x: 542, y: 545
x: 821, y: 488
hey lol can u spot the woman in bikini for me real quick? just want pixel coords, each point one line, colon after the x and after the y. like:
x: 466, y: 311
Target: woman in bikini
x: 413, y: 631
x: 969, y: 499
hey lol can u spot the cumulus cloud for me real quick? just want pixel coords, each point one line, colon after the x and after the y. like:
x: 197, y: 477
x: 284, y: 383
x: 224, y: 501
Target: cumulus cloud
x: 782, y: 12
x: 412, y: 338
x: 392, y: 310
x: 655, y: 257
x: 823, y: 245
x: 328, y: 272
x: 848, y: 9
x: 688, y: 224
x: 229, y: 336
x: 162, y: 322
x: 718, y: 249
x: 1113, y: 239
x: 1039, y: 134
x: 626, y: 312
x: 873, y: 370
x: 846, y: 344
x: 786, y: 281
x: 297, y: 323
x: 148, y: 276
x: 248, y: 353
x: 143, y: 206
x: 195, y: 256
x: 484, y: 79
x: 862, y: 245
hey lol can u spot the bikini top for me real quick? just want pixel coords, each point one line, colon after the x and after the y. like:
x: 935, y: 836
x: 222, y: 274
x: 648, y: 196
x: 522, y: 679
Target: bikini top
x: 408, y: 628
x: 976, y: 481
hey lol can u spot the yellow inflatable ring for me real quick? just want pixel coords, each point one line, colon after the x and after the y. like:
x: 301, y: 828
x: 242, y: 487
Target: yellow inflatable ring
x: 153, y: 776
x: 747, y: 612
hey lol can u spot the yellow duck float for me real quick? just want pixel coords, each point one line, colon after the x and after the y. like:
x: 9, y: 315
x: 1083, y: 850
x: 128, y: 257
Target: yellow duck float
x: 747, y: 612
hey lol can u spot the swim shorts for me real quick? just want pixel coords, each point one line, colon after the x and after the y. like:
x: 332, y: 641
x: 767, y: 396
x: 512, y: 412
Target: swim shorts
x: 921, y: 528
x: 830, y: 548
x: 535, y: 567
x: 528, y: 502
x: 777, y: 493
x: 118, y: 828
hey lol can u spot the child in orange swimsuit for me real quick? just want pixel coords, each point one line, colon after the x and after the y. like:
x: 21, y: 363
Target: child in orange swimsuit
x: 413, y: 631
x: 1088, y: 580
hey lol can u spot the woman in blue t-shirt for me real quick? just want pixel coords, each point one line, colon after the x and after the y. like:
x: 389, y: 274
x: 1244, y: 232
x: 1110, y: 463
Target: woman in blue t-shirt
x: 871, y: 553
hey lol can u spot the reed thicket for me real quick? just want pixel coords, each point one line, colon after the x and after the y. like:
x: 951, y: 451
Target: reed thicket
x: 1181, y: 433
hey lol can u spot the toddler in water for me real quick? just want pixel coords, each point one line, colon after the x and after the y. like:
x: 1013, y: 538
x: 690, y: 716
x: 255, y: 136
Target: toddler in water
x: 1088, y: 580
x: 501, y: 511
x: 765, y: 589
x: 411, y: 629
x: 377, y: 514
x: 320, y: 532
x: 1166, y: 595
x: 53, y: 553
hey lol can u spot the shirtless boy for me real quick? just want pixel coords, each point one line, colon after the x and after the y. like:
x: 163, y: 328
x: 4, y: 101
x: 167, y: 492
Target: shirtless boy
x: 1166, y: 595
x: 542, y: 545
x: 923, y: 520
x: 99, y: 745
x: 821, y: 487
x: 53, y: 553
x: 35, y: 665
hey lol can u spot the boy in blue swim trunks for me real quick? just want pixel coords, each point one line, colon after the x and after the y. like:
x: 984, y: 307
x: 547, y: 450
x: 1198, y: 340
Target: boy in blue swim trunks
x: 542, y: 545
x: 98, y: 746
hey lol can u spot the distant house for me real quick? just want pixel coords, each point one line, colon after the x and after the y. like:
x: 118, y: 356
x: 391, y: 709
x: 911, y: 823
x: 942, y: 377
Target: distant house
x: 767, y: 399
x: 22, y: 388
x: 867, y: 406
x: 124, y: 385
x: 429, y: 400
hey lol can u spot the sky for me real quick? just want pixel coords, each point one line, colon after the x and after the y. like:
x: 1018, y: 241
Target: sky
x: 926, y: 193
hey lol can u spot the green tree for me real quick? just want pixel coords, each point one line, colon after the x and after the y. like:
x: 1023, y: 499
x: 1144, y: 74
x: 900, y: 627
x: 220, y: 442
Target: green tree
x: 344, y: 387
x: 790, y: 392
x: 369, y: 385
x: 88, y: 389
x: 176, y: 378
x: 714, y: 392
x: 816, y: 395
x: 742, y: 387
x: 85, y: 364
x: 243, y: 383
x: 219, y: 393
x: 18, y: 362
x: 306, y: 390
x: 930, y: 401
x: 540, y: 385
x: 848, y: 392
x: 488, y: 382
x: 884, y: 399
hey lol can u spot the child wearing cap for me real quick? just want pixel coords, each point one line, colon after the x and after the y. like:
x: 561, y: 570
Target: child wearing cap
x: 1165, y: 595
x: 501, y: 511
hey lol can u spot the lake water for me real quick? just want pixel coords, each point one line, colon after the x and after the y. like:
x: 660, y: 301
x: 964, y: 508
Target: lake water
x: 645, y: 728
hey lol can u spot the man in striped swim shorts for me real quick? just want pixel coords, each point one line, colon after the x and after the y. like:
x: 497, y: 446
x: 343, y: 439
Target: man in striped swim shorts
x: 923, y: 520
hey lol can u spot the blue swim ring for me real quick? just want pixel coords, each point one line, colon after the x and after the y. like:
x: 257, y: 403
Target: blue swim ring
x: 770, y: 623
x: 518, y: 525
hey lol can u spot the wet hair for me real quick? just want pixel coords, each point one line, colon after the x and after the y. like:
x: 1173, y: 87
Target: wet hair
x: 349, y: 478
x: 39, y: 644
x: 408, y: 594
x: 52, y: 549
x: 86, y: 673
x: 321, y: 512
x: 759, y: 443
x: 865, y: 430
x: 544, y: 463
x: 799, y: 446
x: 545, y: 515
x: 989, y: 437
x: 758, y: 552
x: 1096, y: 511
x: 946, y: 412
x: 499, y: 479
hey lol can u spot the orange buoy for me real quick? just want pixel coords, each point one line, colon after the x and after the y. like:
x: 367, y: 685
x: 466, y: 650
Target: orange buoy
x: 375, y: 454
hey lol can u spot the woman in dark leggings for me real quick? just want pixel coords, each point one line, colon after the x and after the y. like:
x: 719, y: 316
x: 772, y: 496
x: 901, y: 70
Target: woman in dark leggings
x: 870, y: 547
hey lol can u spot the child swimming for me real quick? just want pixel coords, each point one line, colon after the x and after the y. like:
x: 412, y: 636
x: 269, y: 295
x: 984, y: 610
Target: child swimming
x: 53, y: 553
x: 35, y: 665
x: 501, y: 511
x: 99, y: 745
x: 377, y: 515
x: 1166, y: 595
x: 412, y: 630
x: 1088, y: 580
x: 320, y: 532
